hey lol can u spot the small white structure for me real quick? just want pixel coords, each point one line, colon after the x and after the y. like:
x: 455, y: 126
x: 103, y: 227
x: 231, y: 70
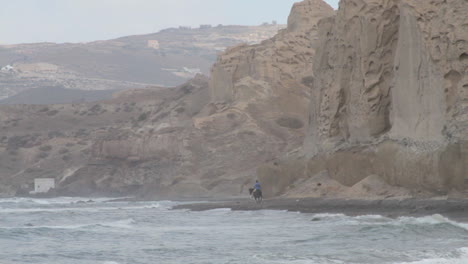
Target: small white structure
x: 154, y: 44
x: 43, y: 185
x: 7, y: 68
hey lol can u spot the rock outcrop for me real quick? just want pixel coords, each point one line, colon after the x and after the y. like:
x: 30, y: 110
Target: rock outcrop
x: 277, y: 67
x: 390, y: 97
x: 269, y: 82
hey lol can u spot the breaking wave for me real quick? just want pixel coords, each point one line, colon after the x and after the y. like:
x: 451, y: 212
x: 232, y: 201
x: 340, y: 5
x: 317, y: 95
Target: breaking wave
x: 459, y: 257
x: 435, y: 219
x: 98, y: 231
x: 126, y: 223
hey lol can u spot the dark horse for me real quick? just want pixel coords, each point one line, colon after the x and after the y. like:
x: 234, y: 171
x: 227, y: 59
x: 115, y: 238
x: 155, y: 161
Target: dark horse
x: 256, y: 194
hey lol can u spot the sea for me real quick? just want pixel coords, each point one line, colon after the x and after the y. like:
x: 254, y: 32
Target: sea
x: 82, y: 230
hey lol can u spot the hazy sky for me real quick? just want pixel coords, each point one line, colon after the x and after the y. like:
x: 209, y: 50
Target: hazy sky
x: 26, y: 21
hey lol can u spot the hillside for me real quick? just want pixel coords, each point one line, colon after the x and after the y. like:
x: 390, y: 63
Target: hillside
x: 57, y: 95
x: 172, y: 142
x: 167, y: 58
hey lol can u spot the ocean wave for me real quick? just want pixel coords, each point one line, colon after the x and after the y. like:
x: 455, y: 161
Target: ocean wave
x: 219, y: 210
x: 53, y: 201
x: 460, y: 258
x: 435, y: 219
x: 53, y: 210
x: 85, y: 208
x: 325, y: 215
x: 124, y: 224
x: 371, y: 217
x: 127, y: 223
x: 167, y: 205
x: 284, y: 258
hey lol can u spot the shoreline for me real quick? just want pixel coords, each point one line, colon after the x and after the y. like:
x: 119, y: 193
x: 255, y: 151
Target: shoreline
x: 454, y: 209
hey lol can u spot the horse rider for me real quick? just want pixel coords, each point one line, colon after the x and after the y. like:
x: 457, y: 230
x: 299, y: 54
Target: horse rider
x: 258, y: 188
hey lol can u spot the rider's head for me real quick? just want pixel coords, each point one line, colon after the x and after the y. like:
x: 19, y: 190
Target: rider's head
x: 256, y: 181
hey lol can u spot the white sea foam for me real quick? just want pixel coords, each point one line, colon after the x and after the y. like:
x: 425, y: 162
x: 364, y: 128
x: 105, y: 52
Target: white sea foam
x: 52, y: 210
x: 53, y: 201
x: 461, y: 259
x: 85, y: 208
x: 274, y: 258
x: 325, y: 215
x: 430, y: 220
x: 371, y: 217
x: 125, y: 224
x: 219, y: 210
x: 160, y: 205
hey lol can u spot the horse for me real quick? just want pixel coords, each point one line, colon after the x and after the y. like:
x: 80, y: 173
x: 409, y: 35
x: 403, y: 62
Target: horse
x: 256, y: 194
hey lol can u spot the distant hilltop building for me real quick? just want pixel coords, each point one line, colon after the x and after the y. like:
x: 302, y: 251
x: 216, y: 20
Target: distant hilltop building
x: 273, y: 23
x: 43, y: 185
x: 205, y: 26
x: 154, y: 44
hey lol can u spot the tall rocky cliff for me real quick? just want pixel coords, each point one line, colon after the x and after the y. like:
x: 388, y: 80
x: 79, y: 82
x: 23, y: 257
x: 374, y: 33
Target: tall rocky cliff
x: 389, y: 98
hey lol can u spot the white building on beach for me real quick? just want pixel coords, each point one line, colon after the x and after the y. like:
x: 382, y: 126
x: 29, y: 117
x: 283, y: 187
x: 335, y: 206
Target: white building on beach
x: 7, y: 68
x: 43, y: 185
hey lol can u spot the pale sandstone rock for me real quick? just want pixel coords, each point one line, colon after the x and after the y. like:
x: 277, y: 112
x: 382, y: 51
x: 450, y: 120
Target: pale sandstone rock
x: 274, y: 68
x: 390, y: 94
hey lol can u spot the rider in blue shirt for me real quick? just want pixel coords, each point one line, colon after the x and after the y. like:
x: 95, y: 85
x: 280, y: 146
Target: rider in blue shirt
x: 257, y: 186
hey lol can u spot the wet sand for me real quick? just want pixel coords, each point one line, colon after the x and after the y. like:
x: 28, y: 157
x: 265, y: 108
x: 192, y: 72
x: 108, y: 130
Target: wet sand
x: 455, y: 209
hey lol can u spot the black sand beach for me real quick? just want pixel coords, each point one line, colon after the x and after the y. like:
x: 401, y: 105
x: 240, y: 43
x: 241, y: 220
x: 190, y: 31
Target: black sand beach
x: 455, y: 209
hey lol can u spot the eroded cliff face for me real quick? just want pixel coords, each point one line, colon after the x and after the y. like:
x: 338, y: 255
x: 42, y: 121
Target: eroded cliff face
x: 277, y: 66
x: 270, y: 82
x: 390, y: 96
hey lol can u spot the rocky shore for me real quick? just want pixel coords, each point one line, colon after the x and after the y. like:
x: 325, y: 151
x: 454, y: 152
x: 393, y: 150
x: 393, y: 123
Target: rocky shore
x: 455, y: 209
